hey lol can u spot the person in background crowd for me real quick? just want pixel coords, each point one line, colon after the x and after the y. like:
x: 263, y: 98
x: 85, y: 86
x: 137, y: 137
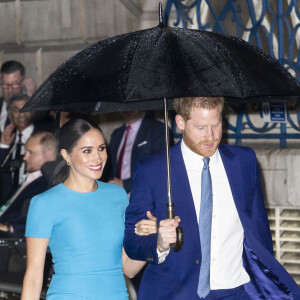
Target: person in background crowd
x: 13, y: 82
x: 82, y: 221
x: 40, y: 148
x: 12, y: 142
x: 138, y: 138
x: 216, y: 189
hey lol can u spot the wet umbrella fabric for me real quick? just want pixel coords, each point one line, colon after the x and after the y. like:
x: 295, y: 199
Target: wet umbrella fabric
x: 135, y: 70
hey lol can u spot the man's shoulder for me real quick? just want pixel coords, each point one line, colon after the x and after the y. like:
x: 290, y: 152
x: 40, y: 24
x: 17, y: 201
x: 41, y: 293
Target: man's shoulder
x: 117, y: 131
x: 159, y: 158
x: 237, y: 151
x: 38, y: 185
x: 153, y: 160
x: 152, y: 124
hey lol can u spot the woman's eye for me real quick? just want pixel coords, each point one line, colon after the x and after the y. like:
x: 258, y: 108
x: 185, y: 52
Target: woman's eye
x: 102, y: 148
x: 87, y: 151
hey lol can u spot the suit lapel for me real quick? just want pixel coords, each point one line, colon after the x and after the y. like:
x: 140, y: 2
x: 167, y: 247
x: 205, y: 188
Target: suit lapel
x: 182, y: 196
x: 235, y: 175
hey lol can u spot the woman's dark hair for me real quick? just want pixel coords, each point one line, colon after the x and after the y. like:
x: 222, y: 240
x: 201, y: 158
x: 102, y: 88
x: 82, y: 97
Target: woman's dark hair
x: 70, y: 133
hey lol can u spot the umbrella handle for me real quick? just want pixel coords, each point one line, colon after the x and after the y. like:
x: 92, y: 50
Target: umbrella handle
x: 179, y: 231
x: 179, y: 240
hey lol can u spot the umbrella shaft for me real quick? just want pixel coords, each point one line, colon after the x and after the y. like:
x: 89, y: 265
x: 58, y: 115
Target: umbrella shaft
x: 167, y: 154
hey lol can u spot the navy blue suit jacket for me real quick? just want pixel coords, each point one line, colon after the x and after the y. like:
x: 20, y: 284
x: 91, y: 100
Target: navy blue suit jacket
x: 149, y: 140
x: 177, y: 278
x: 17, y: 212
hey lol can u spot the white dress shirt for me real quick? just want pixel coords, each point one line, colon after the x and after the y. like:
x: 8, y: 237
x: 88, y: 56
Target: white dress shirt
x: 227, y: 234
x: 3, y: 115
x: 126, y: 162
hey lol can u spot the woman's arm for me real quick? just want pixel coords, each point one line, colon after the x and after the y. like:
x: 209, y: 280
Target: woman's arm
x: 131, y: 267
x: 33, y: 279
x: 144, y: 227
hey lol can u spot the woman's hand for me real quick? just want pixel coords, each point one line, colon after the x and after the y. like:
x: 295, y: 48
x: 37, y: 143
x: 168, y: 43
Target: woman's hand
x: 146, y: 227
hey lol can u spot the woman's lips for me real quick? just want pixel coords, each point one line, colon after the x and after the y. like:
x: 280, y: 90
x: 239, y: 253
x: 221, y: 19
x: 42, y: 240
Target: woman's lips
x: 95, y: 168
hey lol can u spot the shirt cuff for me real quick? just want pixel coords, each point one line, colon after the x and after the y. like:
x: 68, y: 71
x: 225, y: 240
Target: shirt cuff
x: 4, y: 146
x: 162, y: 255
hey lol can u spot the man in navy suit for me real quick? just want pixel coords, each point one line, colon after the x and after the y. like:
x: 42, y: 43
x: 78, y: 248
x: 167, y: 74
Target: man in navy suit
x: 145, y: 137
x: 40, y: 148
x: 227, y: 251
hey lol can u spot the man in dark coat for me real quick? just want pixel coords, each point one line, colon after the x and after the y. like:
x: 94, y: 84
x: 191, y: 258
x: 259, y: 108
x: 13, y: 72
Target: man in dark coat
x: 146, y: 137
x: 40, y: 148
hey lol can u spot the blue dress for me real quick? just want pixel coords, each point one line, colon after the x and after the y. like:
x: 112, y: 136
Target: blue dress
x: 86, y: 238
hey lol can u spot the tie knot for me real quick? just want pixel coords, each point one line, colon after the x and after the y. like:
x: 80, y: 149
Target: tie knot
x: 128, y: 127
x: 206, y: 161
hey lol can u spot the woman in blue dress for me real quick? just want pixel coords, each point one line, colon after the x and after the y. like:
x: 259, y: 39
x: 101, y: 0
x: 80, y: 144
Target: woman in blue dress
x: 82, y: 221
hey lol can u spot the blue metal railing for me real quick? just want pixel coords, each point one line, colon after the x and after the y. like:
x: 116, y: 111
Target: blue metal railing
x: 270, y: 25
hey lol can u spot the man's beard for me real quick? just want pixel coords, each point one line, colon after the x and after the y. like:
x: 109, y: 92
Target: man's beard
x: 205, y: 152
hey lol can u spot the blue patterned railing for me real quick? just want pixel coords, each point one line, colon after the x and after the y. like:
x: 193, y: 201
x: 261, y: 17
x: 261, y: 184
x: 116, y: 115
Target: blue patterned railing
x: 270, y: 25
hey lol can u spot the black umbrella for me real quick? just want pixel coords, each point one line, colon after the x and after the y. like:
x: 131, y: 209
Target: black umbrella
x: 137, y: 70
x: 148, y: 65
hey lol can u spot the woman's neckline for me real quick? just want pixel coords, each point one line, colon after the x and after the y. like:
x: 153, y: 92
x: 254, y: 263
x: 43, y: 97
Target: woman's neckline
x: 98, y: 186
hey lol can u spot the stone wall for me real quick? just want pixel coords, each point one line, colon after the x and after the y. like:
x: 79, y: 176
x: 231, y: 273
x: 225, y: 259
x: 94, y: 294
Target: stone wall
x: 44, y: 33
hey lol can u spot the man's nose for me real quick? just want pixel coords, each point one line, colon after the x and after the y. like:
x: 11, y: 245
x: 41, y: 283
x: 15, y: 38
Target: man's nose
x: 209, y: 134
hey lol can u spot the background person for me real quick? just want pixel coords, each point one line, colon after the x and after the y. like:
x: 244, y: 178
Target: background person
x: 82, y: 221
x: 145, y: 136
x: 13, y: 82
x: 40, y: 148
x: 12, y: 142
x: 216, y: 189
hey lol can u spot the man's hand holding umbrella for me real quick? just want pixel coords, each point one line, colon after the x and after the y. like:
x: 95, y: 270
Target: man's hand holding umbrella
x: 167, y: 233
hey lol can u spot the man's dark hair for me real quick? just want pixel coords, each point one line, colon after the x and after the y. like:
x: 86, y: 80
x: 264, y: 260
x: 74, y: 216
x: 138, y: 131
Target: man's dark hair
x: 17, y: 97
x: 12, y: 66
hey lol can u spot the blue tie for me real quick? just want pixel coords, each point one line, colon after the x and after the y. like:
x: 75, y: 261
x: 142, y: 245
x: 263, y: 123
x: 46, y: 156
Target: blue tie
x: 205, y: 230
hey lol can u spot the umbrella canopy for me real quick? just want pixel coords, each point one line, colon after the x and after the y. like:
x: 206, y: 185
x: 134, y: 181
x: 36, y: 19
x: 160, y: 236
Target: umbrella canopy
x: 132, y: 71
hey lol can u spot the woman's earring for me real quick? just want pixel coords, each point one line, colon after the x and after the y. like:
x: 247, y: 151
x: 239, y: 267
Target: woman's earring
x: 68, y: 163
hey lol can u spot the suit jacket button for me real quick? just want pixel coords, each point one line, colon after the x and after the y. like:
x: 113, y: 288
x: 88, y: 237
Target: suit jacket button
x: 197, y: 261
x: 149, y: 259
